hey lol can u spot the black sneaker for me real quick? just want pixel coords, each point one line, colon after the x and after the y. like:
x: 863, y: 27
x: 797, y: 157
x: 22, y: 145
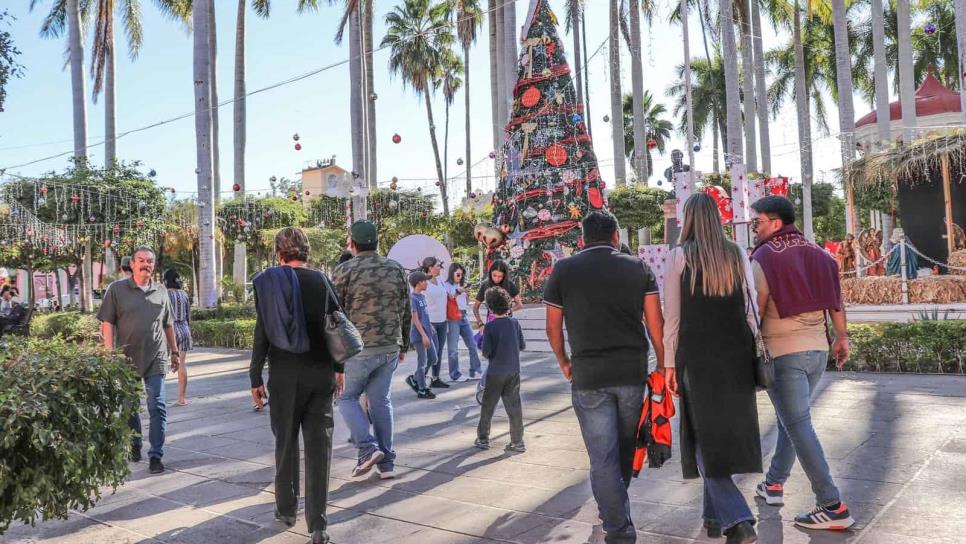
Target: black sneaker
x: 156, y: 467
x: 411, y: 382
x: 426, y: 394
x: 743, y: 533
x: 827, y: 518
x: 515, y: 448
x: 482, y: 443
x: 439, y: 384
x: 135, y: 454
x: 774, y: 494
x: 289, y: 521
x: 713, y: 528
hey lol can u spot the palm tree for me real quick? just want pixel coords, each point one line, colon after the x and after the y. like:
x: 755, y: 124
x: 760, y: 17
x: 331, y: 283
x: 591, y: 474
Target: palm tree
x: 469, y: 18
x: 881, y: 71
x: 658, y: 129
x: 907, y: 84
x: 961, y: 49
x: 748, y: 85
x: 261, y: 8
x: 761, y: 92
x: 208, y: 295
x: 496, y: 78
x: 843, y: 76
x: 638, y: 162
x: 733, y: 151
x: 616, y: 112
x: 707, y: 96
x: 804, y: 122
x: 419, y: 35
x: 511, y: 37
x: 449, y: 81
x: 574, y: 10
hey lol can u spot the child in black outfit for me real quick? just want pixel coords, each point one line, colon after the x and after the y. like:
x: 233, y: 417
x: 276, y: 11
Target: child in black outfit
x: 502, y: 342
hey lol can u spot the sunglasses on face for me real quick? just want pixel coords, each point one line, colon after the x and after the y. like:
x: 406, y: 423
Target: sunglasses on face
x: 755, y: 222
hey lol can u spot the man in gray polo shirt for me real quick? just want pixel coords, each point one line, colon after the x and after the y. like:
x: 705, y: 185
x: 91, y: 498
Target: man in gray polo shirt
x: 137, y: 313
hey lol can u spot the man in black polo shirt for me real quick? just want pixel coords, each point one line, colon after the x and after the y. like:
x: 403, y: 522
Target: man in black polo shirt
x: 605, y: 297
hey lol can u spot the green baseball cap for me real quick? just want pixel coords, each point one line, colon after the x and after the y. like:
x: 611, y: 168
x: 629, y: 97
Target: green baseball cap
x: 363, y: 232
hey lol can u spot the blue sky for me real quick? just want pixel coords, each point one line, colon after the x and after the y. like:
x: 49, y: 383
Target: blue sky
x: 159, y: 85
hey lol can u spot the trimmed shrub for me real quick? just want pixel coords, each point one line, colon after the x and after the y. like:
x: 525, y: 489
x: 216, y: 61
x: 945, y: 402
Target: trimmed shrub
x: 222, y: 312
x: 932, y: 346
x: 64, y: 408
x: 224, y: 333
x: 73, y: 326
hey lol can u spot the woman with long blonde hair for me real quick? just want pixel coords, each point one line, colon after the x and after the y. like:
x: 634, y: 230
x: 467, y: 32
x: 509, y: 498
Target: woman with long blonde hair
x: 709, y: 339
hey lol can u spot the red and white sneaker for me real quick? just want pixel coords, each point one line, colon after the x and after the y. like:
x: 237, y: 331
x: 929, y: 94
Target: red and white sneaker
x: 774, y: 494
x: 823, y: 517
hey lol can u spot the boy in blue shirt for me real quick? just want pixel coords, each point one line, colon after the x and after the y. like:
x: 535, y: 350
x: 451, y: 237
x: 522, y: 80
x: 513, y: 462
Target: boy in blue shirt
x: 502, y: 342
x: 421, y: 334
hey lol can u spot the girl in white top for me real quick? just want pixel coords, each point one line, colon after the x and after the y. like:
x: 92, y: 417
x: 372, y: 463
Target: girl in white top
x: 436, y: 298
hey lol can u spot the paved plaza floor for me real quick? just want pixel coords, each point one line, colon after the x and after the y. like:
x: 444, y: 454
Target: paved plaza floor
x: 896, y: 443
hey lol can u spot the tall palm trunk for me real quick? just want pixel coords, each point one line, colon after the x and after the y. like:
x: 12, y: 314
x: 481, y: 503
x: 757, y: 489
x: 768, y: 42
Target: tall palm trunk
x: 883, y: 123
x: 715, y: 165
x: 369, y: 101
x: 616, y: 109
x: 240, y: 264
x: 804, y: 126
x: 843, y: 77
x: 907, y: 83
x: 446, y: 144
x: 733, y: 153
x: 761, y: 91
x: 213, y: 51
x: 748, y: 89
x: 689, y: 127
x: 961, y: 46
x: 511, y: 35
x: 495, y: 87
x: 466, y: 92
x: 208, y: 295
x: 587, y: 116
x: 356, y: 84
x: 110, y: 103
x: 716, y: 119
x: 76, y: 47
x: 501, y: 87
x: 439, y: 167
x: 578, y: 64
x: 641, y: 170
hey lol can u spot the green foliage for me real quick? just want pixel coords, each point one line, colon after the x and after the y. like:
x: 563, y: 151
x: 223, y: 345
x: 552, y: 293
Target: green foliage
x: 9, y: 67
x: 73, y: 326
x: 637, y: 207
x: 932, y: 346
x: 876, y: 197
x: 63, y: 409
x: 223, y: 312
x: 828, y: 211
x: 241, y: 218
x: 224, y: 333
x: 656, y: 127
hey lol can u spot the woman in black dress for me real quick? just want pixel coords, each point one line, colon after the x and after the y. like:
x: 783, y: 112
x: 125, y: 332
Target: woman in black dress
x: 181, y: 309
x: 709, y: 328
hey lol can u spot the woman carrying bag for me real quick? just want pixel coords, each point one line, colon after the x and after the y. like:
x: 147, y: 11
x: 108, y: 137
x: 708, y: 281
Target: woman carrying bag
x: 709, y: 336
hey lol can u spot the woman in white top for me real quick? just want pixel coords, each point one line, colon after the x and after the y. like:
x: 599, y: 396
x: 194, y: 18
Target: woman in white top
x: 456, y: 287
x: 436, y: 297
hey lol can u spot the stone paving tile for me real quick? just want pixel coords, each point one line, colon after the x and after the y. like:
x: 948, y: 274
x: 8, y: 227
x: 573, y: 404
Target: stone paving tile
x: 896, y: 444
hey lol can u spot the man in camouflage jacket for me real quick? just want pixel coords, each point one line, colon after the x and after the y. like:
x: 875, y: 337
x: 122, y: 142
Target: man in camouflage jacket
x: 375, y: 296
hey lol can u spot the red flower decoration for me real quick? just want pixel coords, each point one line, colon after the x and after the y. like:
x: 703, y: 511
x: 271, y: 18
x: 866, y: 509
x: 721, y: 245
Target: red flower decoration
x: 530, y: 97
x: 556, y: 155
x: 595, y: 198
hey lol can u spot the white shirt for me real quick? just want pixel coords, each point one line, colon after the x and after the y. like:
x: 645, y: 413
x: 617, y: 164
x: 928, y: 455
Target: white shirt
x: 436, y: 296
x: 462, y: 299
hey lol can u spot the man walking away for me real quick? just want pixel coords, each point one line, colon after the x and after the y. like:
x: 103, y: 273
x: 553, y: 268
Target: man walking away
x: 603, y: 296
x: 138, y: 311
x: 290, y: 302
x: 375, y: 297
x: 797, y: 283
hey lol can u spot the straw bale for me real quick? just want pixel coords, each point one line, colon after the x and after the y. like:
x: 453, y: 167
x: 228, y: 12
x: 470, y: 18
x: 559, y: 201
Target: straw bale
x: 888, y: 290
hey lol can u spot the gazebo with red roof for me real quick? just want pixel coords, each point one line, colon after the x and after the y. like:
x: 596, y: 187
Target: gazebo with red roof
x: 938, y: 110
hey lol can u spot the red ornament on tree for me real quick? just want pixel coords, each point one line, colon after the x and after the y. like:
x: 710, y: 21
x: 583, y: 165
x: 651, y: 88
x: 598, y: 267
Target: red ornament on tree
x: 298, y: 147
x: 117, y: 229
x: 75, y: 198
x: 651, y: 143
x: 43, y: 189
x: 307, y: 193
x: 236, y: 187
x: 530, y: 97
x: 396, y: 138
x: 556, y: 155
x: 551, y: 47
x: 595, y: 198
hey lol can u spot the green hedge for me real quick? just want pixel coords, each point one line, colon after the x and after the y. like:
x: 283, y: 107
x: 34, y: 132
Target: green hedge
x: 224, y: 333
x: 73, y: 326
x: 920, y: 346
x: 64, y: 408
x: 223, y: 312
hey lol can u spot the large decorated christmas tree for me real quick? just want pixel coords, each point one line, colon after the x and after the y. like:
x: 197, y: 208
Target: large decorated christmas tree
x: 550, y: 179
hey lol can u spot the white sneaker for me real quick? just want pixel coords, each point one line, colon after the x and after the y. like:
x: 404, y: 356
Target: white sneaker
x: 386, y: 473
x: 476, y: 377
x: 461, y: 379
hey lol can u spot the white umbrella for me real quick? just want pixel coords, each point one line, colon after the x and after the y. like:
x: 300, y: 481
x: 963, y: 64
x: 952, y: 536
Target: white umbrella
x: 411, y: 250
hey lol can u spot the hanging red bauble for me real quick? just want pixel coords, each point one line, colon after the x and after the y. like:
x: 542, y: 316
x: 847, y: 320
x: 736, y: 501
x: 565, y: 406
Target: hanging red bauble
x: 75, y: 198
x: 117, y: 229
x: 307, y: 193
x: 551, y: 47
x: 651, y: 143
x: 396, y: 138
x: 298, y: 147
x: 43, y: 189
x: 425, y: 214
x: 530, y: 97
x: 556, y: 155
x: 236, y: 187
x: 595, y: 198
x: 492, y: 154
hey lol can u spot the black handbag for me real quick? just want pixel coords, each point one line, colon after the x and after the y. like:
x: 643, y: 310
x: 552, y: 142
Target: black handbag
x: 762, y: 362
x: 342, y: 338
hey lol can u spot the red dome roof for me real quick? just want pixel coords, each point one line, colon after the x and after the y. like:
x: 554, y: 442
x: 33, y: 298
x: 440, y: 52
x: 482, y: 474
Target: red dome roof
x: 931, y: 99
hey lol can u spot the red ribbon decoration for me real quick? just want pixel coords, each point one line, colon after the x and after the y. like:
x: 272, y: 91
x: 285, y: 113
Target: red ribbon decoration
x: 557, y: 229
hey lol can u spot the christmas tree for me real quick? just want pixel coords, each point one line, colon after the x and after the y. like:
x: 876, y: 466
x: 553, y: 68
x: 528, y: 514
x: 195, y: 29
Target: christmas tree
x: 550, y: 179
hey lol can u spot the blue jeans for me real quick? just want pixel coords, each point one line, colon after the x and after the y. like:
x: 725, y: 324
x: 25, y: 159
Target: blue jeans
x: 371, y: 375
x: 724, y: 505
x: 608, y: 420
x: 154, y: 391
x: 456, y: 330
x: 796, y: 379
x: 425, y: 358
x: 441, y: 332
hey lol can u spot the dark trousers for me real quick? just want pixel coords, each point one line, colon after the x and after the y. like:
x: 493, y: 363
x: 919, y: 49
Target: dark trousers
x: 301, y: 398
x: 506, y: 387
